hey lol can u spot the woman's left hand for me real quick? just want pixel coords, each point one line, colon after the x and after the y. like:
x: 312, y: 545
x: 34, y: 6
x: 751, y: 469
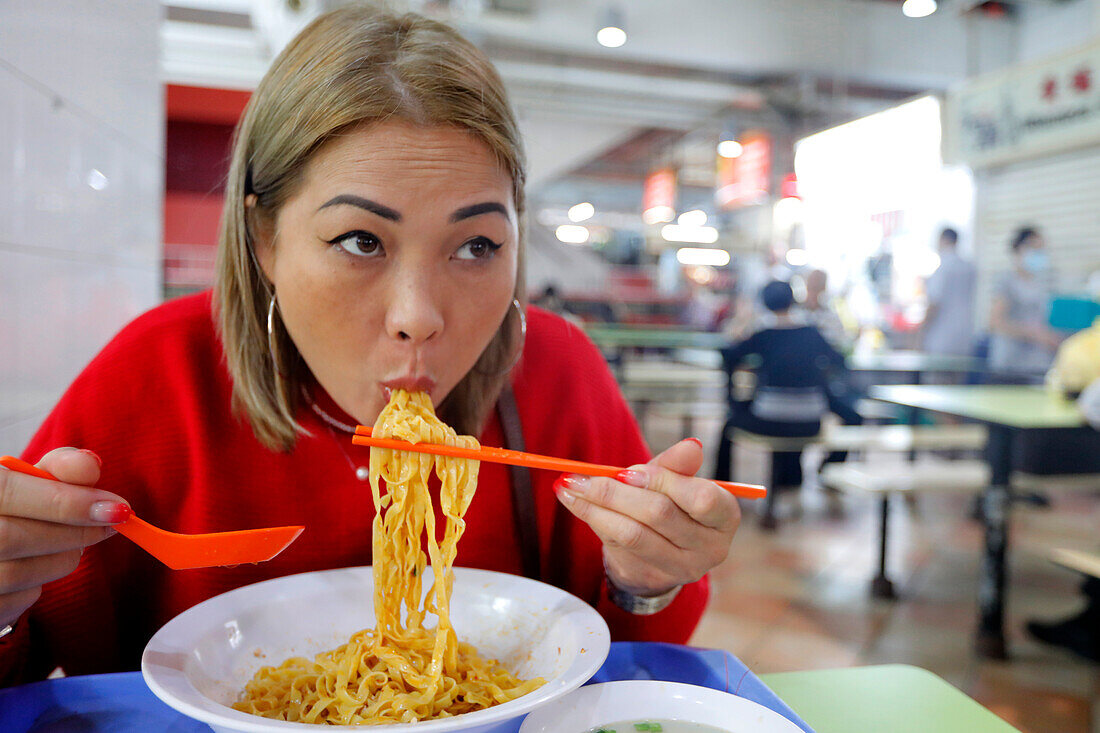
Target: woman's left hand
x: 661, y: 527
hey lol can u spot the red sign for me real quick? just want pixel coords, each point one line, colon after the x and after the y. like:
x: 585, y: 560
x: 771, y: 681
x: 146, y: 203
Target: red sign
x: 746, y: 179
x: 659, y: 189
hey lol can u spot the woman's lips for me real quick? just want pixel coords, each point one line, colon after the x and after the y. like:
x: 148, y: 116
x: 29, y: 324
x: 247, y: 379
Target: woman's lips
x: 409, y: 384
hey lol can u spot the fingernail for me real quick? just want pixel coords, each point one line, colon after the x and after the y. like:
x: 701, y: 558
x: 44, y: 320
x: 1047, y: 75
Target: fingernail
x: 98, y: 460
x: 566, y: 497
x: 696, y: 441
x: 111, y: 512
x: 631, y: 477
x: 572, y: 482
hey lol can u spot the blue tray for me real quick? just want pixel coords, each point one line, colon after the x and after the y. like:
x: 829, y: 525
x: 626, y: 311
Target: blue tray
x: 121, y: 703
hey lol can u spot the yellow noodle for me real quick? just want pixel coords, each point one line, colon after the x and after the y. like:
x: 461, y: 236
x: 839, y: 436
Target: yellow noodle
x: 400, y: 671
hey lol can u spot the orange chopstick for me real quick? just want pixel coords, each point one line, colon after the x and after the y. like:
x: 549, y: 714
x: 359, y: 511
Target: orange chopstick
x: 531, y: 460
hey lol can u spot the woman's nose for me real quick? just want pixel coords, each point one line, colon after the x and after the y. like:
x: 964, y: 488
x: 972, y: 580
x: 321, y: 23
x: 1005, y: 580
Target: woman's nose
x: 414, y: 314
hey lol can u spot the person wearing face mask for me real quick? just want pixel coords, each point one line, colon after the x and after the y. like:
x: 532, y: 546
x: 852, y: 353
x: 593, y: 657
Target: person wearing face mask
x: 1022, y: 345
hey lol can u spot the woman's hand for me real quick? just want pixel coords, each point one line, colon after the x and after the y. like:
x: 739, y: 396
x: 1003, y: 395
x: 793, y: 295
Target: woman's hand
x: 661, y: 527
x: 45, y: 525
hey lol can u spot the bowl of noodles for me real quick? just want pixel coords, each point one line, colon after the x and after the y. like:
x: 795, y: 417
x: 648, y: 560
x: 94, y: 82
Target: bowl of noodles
x: 201, y: 662
x: 411, y: 642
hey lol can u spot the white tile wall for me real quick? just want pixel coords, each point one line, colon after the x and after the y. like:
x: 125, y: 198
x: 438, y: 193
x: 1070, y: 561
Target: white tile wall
x: 80, y: 93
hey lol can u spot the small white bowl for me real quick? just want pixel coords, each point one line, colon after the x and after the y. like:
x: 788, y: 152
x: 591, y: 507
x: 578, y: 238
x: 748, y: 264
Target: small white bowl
x: 199, y: 662
x: 633, y: 700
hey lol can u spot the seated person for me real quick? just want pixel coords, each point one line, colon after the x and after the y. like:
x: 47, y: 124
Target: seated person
x: 791, y: 393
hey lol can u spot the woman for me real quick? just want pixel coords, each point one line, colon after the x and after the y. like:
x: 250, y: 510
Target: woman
x: 1022, y: 345
x: 371, y: 239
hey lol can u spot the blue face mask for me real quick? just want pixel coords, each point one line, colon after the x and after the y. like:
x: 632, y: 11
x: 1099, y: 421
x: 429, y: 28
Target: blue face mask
x: 1036, y: 261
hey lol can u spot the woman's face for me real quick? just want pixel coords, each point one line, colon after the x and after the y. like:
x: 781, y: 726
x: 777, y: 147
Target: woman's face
x: 394, y: 264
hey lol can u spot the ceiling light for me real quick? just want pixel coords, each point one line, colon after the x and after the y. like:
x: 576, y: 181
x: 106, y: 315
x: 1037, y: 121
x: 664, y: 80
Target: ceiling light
x: 730, y: 149
x: 611, y: 33
x: 658, y: 214
x: 698, y: 235
x: 581, y: 212
x: 919, y: 8
x: 702, y: 257
x: 571, y: 234
x: 96, y: 179
x: 693, y: 218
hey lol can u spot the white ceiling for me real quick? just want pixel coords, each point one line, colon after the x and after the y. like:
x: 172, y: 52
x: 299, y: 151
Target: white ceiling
x: 795, y: 65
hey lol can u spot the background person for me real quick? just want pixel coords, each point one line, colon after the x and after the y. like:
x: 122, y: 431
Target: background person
x: 790, y: 397
x: 1022, y: 345
x: 949, y: 322
x: 370, y: 241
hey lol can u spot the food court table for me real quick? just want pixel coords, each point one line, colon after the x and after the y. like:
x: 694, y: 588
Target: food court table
x: 1007, y: 411
x: 913, y: 364
x: 894, y: 697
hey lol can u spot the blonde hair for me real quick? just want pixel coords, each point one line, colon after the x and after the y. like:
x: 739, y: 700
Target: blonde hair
x: 355, y: 65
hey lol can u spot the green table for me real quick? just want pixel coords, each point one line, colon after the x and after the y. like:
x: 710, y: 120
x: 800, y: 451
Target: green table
x: 913, y: 363
x: 1008, y: 411
x: 621, y: 337
x: 893, y: 698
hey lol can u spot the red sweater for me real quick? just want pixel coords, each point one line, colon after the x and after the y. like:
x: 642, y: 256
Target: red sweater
x: 154, y: 405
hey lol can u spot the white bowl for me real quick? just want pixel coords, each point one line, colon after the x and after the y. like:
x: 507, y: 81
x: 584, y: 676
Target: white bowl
x: 632, y: 700
x: 200, y: 661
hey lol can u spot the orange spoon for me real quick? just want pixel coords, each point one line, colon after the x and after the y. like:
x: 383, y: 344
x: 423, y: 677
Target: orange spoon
x: 183, y: 551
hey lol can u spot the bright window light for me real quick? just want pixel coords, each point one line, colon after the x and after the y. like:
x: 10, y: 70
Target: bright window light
x: 572, y: 234
x: 730, y: 149
x: 797, y: 257
x: 658, y: 214
x: 581, y: 212
x: 611, y: 36
x: 919, y: 8
x: 698, y: 235
x: 702, y: 257
x: 96, y: 179
x: 693, y: 218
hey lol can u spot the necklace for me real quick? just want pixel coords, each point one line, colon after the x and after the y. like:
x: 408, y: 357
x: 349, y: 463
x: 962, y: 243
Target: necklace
x: 361, y: 472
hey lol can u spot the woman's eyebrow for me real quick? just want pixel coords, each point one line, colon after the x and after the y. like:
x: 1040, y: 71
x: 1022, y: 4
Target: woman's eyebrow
x: 476, y: 209
x: 372, y: 206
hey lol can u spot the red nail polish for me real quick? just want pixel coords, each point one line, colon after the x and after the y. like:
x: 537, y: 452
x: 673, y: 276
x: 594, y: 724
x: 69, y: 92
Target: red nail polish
x: 98, y: 460
x: 634, y: 478
x: 110, y: 512
x: 696, y: 441
x: 574, y: 483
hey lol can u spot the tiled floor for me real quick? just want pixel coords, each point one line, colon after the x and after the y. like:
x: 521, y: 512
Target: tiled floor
x: 798, y: 598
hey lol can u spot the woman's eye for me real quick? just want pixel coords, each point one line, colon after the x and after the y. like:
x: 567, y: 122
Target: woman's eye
x: 361, y: 244
x: 477, y: 248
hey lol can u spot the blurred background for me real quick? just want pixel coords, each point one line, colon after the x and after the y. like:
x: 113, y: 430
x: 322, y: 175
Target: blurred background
x: 681, y: 156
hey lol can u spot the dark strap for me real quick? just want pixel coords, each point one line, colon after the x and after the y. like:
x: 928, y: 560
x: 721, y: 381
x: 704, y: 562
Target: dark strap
x: 523, y: 495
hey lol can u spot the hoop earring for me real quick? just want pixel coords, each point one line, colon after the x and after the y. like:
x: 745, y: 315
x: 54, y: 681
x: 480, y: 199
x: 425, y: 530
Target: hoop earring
x: 271, y: 345
x: 522, y: 334
x: 519, y: 350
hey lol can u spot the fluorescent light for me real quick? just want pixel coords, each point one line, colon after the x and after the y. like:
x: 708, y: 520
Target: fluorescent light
x: 919, y: 8
x: 698, y: 235
x: 693, y: 218
x: 581, y: 212
x: 571, y: 234
x: 797, y: 257
x: 658, y: 214
x: 702, y: 257
x: 730, y: 149
x: 611, y: 36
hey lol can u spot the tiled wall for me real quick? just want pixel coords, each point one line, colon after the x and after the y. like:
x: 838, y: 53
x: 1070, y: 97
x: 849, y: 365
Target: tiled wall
x: 81, y: 188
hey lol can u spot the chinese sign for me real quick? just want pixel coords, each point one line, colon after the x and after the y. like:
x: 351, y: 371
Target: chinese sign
x: 1033, y: 110
x: 746, y: 179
